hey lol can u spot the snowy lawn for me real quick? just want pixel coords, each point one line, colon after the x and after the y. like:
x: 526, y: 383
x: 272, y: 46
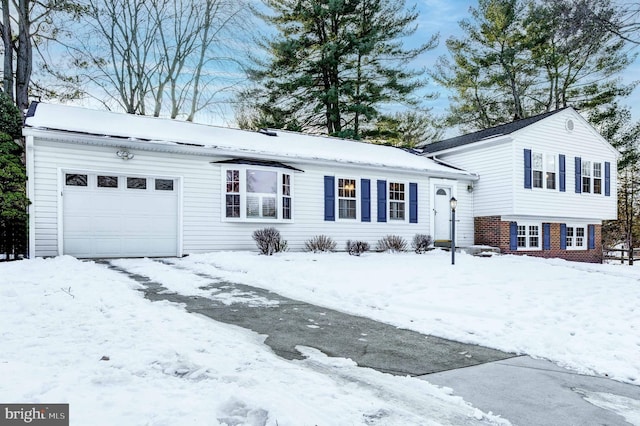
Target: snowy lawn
x: 582, y: 316
x: 76, y: 332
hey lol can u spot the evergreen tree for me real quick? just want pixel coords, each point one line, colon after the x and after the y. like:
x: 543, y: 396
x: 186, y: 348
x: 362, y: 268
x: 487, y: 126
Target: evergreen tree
x: 404, y: 130
x: 524, y: 57
x: 335, y: 62
x: 13, y: 198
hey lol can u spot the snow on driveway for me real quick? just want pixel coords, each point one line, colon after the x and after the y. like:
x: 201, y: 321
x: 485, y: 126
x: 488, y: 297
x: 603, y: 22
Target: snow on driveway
x: 582, y: 316
x: 79, y: 333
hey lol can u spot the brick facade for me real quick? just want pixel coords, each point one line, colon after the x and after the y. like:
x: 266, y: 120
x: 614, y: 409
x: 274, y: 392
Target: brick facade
x: 491, y: 231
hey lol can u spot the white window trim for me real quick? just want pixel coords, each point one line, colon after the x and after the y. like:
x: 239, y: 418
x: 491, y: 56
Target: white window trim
x: 593, y: 177
x: 529, y: 247
x: 242, y: 168
x: 545, y: 171
x: 406, y: 202
x: 358, y: 182
x: 585, y: 240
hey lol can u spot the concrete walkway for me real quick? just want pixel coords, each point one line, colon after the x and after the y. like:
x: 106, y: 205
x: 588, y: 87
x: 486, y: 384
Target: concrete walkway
x: 523, y: 390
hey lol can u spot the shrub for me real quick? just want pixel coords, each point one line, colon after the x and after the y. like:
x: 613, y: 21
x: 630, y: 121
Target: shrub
x: 392, y: 243
x: 356, y: 248
x: 269, y: 241
x: 421, y: 243
x: 320, y: 243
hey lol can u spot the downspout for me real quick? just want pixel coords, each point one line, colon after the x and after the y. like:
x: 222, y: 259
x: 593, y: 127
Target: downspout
x: 31, y: 184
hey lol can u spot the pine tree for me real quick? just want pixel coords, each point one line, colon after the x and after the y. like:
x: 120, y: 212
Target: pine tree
x: 334, y: 63
x: 523, y: 57
x: 13, y: 198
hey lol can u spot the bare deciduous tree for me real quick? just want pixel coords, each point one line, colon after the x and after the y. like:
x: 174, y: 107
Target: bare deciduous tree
x: 27, y: 25
x: 163, y: 57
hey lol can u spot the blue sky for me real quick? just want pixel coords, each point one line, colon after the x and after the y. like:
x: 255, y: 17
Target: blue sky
x: 443, y: 16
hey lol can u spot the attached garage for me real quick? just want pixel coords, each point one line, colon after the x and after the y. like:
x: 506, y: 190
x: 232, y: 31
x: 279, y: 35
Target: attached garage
x: 114, y: 215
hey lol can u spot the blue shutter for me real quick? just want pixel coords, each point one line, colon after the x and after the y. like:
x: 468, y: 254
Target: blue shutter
x: 365, y: 200
x: 607, y: 179
x: 592, y: 237
x: 413, y: 203
x: 563, y: 172
x: 329, y: 198
x: 578, y: 175
x: 527, y: 168
x: 563, y: 236
x: 513, y: 236
x: 546, y: 236
x: 382, y: 201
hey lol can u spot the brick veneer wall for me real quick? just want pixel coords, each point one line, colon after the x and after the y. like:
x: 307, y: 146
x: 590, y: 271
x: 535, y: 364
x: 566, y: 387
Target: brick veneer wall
x: 490, y: 230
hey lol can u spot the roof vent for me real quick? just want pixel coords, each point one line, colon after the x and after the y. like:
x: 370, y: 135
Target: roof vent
x: 267, y: 132
x: 569, y: 125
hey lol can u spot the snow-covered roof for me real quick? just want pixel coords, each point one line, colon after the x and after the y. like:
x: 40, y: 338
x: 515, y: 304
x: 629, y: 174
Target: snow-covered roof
x: 286, y: 145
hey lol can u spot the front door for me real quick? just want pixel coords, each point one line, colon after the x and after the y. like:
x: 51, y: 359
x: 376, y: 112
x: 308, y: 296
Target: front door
x: 442, y: 214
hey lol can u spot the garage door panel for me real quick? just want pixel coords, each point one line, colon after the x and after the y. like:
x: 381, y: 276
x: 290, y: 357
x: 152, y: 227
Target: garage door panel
x: 110, y: 222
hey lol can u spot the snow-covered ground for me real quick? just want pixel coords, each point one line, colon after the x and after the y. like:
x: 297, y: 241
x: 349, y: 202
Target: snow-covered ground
x: 59, y: 317
x: 582, y: 316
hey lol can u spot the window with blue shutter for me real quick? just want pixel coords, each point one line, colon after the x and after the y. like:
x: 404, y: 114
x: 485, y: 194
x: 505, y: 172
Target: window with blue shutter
x: 563, y: 172
x: 513, y: 236
x: 546, y: 236
x: 578, y: 175
x: 607, y: 179
x: 527, y: 168
x: 592, y: 237
x: 365, y: 200
x: 563, y: 236
x: 382, y: 201
x: 329, y: 198
x: 413, y: 202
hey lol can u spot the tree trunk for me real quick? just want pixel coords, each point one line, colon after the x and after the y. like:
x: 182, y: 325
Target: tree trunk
x: 7, y: 37
x: 24, y: 59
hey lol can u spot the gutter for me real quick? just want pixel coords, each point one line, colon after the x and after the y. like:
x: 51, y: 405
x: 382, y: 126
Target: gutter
x: 214, y: 151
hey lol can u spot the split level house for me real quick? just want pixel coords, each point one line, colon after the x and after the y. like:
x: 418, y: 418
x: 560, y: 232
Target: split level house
x: 106, y: 184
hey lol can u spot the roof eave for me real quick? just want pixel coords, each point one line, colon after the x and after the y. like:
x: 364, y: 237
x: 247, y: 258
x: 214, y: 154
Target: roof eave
x: 195, y: 149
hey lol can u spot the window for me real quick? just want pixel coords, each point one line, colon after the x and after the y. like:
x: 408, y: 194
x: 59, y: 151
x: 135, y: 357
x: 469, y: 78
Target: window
x: 107, y: 181
x: 233, y: 193
x: 591, y: 173
x: 586, y: 176
x: 397, y: 206
x: 347, y: 200
x: 597, y: 178
x: 537, y: 165
x: 576, y: 237
x: 286, y: 196
x: 528, y: 236
x: 257, y: 194
x: 136, y: 183
x: 551, y: 172
x: 544, y: 170
x: 262, y: 188
x: 74, y: 179
x: 164, y: 184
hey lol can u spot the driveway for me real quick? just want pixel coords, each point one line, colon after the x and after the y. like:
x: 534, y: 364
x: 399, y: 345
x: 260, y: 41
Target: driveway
x: 289, y: 323
x: 523, y: 390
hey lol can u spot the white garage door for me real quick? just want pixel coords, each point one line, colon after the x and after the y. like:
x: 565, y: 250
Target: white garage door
x: 112, y: 215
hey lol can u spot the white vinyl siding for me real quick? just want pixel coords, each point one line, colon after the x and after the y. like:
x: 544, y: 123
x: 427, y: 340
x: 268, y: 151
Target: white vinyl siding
x: 501, y: 190
x: 493, y: 193
x: 202, y: 203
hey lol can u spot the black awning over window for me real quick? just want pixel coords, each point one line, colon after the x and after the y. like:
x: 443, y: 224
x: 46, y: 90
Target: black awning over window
x: 254, y: 162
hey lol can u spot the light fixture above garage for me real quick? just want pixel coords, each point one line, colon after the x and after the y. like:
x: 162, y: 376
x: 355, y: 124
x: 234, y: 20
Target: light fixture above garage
x: 124, y: 154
